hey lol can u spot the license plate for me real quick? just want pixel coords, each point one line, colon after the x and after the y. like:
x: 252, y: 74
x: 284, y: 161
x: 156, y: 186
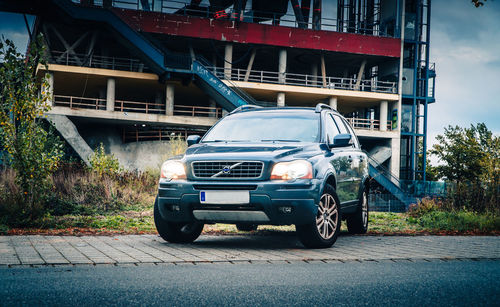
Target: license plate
x: 225, y: 197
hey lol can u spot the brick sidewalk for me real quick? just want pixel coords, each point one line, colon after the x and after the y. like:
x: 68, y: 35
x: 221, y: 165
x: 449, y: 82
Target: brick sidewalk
x: 40, y: 250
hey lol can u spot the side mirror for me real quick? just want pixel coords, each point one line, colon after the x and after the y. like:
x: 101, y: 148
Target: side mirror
x: 193, y: 139
x: 341, y: 140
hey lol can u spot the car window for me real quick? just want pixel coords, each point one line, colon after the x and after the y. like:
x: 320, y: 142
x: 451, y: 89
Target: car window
x: 331, y: 129
x: 340, y: 124
x: 266, y: 127
x: 351, y: 132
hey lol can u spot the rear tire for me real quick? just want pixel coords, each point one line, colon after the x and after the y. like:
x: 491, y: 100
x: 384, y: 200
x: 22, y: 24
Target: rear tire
x: 357, y: 223
x: 324, y: 230
x: 246, y: 227
x: 176, y: 232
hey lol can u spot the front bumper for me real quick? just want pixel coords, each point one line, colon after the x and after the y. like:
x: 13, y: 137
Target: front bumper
x: 178, y: 199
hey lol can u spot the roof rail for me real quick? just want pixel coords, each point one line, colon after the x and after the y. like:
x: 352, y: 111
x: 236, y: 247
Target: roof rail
x: 321, y: 106
x: 245, y: 108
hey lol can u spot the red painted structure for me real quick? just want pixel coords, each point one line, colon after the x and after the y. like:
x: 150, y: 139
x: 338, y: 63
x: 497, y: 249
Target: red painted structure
x: 253, y: 33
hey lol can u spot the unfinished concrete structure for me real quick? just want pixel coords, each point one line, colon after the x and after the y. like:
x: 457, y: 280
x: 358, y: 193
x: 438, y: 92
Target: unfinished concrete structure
x: 132, y: 73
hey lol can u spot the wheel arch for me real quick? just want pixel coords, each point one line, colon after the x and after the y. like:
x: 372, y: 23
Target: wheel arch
x: 331, y: 180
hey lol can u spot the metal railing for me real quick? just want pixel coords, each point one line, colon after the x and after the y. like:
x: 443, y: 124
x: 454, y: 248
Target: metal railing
x: 139, y: 107
x: 367, y: 124
x: 237, y: 74
x: 80, y: 102
x: 135, y: 106
x: 183, y: 7
x: 97, y: 61
x: 158, y: 134
x: 197, y: 111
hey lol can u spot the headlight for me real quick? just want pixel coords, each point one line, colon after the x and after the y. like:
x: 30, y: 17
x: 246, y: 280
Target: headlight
x: 299, y: 169
x: 173, y: 170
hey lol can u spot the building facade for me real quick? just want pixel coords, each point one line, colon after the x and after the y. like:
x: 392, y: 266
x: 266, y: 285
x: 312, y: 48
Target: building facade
x: 133, y: 73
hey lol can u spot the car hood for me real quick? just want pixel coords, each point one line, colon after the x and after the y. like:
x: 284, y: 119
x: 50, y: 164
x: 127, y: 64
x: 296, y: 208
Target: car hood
x: 250, y: 151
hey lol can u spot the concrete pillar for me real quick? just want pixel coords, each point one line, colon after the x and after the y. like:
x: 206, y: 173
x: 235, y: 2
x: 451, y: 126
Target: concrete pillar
x: 228, y: 60
x: 282, y: 66
x: 50, y: 88
x: 395, y: 157
x: 281, y: 100
x: 110, y: 94
x: 213, y: 106
x: 333, y: 102
x: 314, y: 73
x: 169, y: 100
x: 384, y: 108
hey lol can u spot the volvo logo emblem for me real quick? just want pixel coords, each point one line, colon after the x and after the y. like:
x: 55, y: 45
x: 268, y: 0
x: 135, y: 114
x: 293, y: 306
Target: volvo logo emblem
x: 226, y: 169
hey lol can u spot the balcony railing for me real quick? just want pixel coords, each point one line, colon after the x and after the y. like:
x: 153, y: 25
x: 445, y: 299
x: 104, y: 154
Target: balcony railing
x: 158, y: 134
x: 80, y: 102
x: 75, y: 102
x: 260, y: 76
x: 97, y: 61
x: 367, y: 124
x: 179, y: 110
x: 139, y: 107
x: 197, y: 111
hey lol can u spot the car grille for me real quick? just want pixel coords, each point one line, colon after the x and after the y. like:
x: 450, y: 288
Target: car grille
x: 228, y: 169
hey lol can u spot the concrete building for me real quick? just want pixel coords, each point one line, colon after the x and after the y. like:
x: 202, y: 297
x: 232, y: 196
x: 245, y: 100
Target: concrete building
x: 132, y: 73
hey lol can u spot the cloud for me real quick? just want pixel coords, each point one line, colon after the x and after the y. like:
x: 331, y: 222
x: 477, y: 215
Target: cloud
x: 465, y: 44
x: 13, y: 27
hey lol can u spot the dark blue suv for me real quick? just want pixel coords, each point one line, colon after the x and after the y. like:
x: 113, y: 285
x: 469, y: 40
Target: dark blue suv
x: 277, y: 166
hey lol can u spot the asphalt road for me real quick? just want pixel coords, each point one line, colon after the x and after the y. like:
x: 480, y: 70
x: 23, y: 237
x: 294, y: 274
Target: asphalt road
x: 456, y: 283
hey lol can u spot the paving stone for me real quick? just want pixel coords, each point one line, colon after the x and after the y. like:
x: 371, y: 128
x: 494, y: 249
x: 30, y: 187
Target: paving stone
x: 152, y: 250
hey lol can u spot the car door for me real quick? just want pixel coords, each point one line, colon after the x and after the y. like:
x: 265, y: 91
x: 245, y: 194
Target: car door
x: 360, y: 159
x: 350, y: 156
x: 339, y: 160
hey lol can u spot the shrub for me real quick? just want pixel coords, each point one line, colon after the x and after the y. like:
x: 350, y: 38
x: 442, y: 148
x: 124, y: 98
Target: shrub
x: 104, y: 164
x: 31, y: 151
x: 176, y: 146
x: 424, y: 206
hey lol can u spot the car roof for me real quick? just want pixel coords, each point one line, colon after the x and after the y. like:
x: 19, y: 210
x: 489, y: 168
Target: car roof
x: 279, y: 109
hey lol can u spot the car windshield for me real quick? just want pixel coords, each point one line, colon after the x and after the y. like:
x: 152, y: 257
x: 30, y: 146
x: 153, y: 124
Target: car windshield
x: 266, y: 127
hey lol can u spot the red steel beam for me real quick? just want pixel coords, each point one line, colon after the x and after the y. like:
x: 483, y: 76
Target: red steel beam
x: 253, y: 33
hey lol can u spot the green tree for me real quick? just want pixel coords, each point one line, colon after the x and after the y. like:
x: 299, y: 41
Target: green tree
x: 467, y: 154
x: 470, y: 158
x: 23, y: 102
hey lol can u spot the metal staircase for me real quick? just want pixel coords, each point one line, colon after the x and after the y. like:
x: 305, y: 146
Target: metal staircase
x: 162, y: 62
x: 390, y: 182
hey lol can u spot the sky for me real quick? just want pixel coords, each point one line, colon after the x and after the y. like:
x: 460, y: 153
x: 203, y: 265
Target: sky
x: 465, y: 45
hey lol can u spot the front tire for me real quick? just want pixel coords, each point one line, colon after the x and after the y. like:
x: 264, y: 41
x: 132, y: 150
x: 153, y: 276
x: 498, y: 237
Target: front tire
x: 176, y: 232
x: 324, y: 230
x: 358, y: 222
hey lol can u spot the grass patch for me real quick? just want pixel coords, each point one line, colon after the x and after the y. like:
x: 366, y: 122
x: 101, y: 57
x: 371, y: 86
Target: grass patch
x: 458, y: 221
x: 134, y: 222
x: 390, y: 222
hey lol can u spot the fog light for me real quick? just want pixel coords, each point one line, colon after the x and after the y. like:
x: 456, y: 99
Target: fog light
x: 286, y: 210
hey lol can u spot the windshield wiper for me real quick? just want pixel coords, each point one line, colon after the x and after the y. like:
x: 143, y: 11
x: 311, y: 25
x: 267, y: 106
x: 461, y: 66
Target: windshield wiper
x: 280, y: 140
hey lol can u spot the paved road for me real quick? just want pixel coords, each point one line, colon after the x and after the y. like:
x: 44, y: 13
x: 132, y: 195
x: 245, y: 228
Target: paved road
x: 34, y: 250
x: 435, y: 283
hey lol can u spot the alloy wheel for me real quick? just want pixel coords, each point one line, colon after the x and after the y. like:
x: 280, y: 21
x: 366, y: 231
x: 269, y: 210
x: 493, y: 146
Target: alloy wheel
x: 328, y: 216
